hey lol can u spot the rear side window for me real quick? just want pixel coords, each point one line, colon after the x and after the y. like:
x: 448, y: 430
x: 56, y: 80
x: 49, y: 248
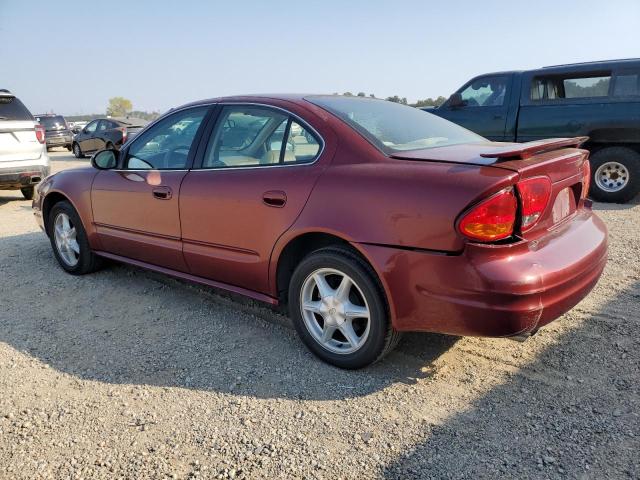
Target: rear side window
x: 627, y: 85
x: 586, y: 87
x: 13, y: 109
x: 560, y: 87
x: 255, y: 136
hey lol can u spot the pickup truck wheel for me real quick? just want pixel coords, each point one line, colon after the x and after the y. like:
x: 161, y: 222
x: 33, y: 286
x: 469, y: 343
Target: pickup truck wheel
x: 77, y: 151
x: 69, y: 240
x: 339, y: 309
x: 27, y: 192
x: 615, y: 174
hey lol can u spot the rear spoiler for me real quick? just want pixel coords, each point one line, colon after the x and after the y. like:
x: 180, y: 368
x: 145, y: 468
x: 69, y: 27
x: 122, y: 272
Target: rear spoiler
x: 526, y: 150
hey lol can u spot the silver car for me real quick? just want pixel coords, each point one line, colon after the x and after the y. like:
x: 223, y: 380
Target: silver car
x: 23, y: 153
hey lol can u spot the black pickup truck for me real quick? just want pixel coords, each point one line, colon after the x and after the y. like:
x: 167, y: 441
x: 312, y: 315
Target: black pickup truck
x: 600, y: 100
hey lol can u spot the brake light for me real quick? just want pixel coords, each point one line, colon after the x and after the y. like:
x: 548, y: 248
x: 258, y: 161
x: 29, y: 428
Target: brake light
x: 492, y: 219
x: 534, y: 196
x: 124, y: 135
x: 586, y: 178
x: 40, y: 133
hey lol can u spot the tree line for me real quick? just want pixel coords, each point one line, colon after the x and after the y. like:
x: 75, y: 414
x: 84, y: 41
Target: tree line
x: 427, y: 102
x: 123, y: 107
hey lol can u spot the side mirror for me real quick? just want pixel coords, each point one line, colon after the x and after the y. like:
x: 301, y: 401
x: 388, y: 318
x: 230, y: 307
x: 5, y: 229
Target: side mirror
x: 455, y: 101
x: 105, y: 159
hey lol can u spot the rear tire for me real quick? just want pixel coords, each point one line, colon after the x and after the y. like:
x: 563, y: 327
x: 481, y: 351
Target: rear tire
x: 75, y: 258
x: 77, y: 151
x: 374, y: 336
x: 615, y: 174
x: 27, y: 192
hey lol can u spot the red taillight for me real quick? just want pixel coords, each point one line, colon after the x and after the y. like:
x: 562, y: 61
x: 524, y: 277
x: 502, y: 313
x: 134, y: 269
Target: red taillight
x: 586, y: 178
x: 124, y: 135
x: 534, y: 197
x: 40, y: 133
x: 492, y: 219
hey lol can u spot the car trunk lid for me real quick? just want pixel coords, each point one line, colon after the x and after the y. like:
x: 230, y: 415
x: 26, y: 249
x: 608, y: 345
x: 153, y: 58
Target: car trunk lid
x: 558, y: 159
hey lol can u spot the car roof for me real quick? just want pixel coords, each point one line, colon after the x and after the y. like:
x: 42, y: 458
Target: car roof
x: 576, y: 67
x: 48, y: 115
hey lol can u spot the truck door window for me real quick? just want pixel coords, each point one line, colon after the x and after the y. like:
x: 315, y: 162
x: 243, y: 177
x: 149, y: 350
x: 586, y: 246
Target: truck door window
x: 485, y: 92
x: 559, y: 87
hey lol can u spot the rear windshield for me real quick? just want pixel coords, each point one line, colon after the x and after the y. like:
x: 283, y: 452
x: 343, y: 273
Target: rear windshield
x: 56, y: 122
x: 393, y: 127
x: 13, y: 109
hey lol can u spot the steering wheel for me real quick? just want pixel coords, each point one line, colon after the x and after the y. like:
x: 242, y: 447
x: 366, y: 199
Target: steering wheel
x: 170, y: 152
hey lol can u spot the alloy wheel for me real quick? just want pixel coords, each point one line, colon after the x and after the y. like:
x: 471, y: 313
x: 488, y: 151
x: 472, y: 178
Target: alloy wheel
x: 335, y: 311
x: 65, y: 238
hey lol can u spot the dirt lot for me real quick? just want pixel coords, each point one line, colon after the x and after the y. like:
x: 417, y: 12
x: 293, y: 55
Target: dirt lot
x: 130, y: 374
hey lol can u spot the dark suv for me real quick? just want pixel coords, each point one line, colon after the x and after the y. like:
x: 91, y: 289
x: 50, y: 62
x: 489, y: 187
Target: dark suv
x: 56, y: 130
x: 600, y: 100
x: 109, y: 133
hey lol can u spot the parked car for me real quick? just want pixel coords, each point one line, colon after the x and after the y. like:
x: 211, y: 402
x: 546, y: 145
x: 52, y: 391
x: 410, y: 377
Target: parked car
x: 600, y: 100
x: 23, y: 155
x: 110, y: 133
x: 365, y: 217
x: 56, y: 131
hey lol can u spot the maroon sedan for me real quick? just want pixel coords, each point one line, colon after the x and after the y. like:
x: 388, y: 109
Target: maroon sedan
x: 366, y: 218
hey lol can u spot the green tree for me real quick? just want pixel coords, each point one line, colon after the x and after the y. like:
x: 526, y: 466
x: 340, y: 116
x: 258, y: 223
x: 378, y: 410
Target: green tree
x: 430, y: 102
x: 397, y: 99
x: 348, y: 94
x: 362, y: 94
x: 119, y: 106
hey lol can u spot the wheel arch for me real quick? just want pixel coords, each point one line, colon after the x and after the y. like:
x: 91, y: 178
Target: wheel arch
x: 289, y: 251
x: 47, y: 204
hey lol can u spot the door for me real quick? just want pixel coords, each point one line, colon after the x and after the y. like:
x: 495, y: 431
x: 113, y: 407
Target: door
x: 483, y: 108
x: 257, y: 172
x: 86, y: 138
x: 135, y: 207
x: 101, y: 134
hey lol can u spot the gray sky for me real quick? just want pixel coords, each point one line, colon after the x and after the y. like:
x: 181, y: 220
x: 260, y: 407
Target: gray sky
x: 71, y: 57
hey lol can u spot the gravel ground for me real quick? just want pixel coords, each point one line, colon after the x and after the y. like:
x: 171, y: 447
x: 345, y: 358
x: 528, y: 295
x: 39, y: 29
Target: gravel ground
x: 129, y: 374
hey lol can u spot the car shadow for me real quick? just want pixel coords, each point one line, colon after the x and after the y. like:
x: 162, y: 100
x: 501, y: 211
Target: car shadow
x: 124, y: 325
x: 572, y: 413
x: 597, y: 206
x: 7, y: 196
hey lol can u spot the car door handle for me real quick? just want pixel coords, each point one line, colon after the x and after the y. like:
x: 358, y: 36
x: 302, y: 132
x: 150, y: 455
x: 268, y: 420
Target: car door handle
x: 162, y: 193
x: 274, y: 198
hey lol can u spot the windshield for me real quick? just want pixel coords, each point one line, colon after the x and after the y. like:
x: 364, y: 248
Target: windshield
x: 393, y: 127
x: 56, y: 122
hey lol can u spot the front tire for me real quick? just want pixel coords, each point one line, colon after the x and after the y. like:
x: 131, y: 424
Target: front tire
x: 615, y: 174
x: 339, y: 309
x: 69, y: 240
x: 27, y: 192
x: 77, y: 151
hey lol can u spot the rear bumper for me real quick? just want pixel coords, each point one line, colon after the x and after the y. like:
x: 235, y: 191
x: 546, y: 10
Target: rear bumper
x: 12, y: 178
x: 498, y: 291
x: 62, y: 140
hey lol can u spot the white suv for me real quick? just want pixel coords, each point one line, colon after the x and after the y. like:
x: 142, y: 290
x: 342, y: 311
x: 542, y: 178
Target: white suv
x: 23, y: 154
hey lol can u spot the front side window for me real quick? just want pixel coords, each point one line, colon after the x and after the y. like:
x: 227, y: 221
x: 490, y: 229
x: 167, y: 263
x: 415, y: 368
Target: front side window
x: 250, y: 136
x: 166, y: 145
x: 91, y: 127
x: 485, y: 92
x: 393, y: 127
